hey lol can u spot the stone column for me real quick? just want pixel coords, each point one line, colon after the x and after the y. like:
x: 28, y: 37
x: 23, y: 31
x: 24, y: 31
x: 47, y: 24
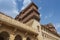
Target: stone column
x: 24, y: 38
x: 40, y: 36
x: 12, y: 37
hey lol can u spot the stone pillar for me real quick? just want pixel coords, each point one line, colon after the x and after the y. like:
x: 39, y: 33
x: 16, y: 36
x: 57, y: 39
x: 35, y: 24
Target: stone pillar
x: 12, y: 37
x: 24, y: 38
x: 40, y: 36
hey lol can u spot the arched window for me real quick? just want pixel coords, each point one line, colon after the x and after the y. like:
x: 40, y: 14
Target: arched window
x: 28, y: 38
x: 1, y: 38
x: 18, y: 37
x: 4, y: 36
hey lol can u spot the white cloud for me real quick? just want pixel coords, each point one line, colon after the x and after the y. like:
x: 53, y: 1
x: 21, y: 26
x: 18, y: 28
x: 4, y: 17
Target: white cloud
x: 13, y: 2
x: 40, y: 8
x: 19, y: 0
x: 48, y: 16
x: 8, y: 7
x: 57, y: 26
x: 40, y: 15
x: 25, y: 3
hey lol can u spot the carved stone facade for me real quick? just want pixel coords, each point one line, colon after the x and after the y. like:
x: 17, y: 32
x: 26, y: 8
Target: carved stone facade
x: 26, y: 26
x: 10, y: 29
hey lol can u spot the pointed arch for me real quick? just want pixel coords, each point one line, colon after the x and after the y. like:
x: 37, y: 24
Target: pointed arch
x: 28, y: 38
x: 4, y: 35
x: 18, y: 37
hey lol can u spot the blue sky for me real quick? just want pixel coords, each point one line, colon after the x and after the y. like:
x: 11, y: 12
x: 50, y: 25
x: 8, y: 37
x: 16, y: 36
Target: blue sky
x: 49, y: 9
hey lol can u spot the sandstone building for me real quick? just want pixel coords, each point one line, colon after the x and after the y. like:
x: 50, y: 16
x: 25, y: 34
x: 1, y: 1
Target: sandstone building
x: 26, y: 26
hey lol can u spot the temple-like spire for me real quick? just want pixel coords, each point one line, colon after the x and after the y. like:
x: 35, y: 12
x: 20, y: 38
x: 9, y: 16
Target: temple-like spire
x: 30, y: 12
